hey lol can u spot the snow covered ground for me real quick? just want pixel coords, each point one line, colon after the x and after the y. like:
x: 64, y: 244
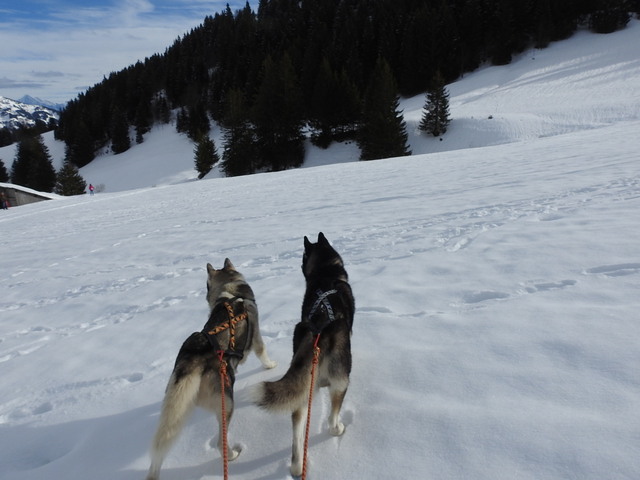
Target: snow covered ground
x: 496, y: 283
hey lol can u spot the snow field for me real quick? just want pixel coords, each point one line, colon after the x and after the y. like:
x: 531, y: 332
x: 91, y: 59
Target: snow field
x: 496, y: 290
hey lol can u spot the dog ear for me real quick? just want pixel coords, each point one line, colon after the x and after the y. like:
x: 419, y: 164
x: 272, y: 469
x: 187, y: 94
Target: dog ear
x: 307, y: 243
x: 228, y: 265
x: 322, y: 238
x: 210, y: 269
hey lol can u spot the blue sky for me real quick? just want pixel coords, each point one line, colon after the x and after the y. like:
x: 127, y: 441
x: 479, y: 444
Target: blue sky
x: 55, y: 49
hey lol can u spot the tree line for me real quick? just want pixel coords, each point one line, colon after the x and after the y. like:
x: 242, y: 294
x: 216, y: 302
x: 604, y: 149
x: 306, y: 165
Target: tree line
x: 32, y: 167
x: 9, y: 136
x: 329, y: 69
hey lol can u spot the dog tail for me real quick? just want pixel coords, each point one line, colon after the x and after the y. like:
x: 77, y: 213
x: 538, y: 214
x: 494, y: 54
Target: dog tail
x: 179, y: 401
x: 292, y: 390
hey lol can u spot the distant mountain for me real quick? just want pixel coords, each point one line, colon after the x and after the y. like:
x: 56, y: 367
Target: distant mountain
x: 14, y: 114
x: 29, y: 100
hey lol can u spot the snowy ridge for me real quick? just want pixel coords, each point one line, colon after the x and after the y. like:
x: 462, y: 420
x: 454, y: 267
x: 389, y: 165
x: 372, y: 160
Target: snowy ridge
x: 29, y: 100
x: 17, y: 114
x: 496, y: 332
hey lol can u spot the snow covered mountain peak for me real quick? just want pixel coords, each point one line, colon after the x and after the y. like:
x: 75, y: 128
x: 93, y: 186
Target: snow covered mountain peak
x: 37, y: 101
x: 14, y: 114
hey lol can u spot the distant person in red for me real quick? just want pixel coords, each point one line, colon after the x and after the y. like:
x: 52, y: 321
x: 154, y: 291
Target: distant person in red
x: 4, y: 203
x: 91, y: 189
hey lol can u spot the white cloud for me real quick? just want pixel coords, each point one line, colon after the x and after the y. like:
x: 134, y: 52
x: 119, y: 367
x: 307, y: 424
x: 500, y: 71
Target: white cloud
x: 84, y: 44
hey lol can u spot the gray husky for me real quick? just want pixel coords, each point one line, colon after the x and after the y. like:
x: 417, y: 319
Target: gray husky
x: 327, y: 309
x: 232, y: 331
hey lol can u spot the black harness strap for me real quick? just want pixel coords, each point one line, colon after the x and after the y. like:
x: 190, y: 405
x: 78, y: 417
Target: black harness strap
x: 323, y: 303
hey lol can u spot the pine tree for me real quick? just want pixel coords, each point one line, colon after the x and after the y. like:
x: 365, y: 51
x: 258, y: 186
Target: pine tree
x: 42, y: 175
x: 182, y: 120
x: 435, y: 115
x: 472, y: 36
x: 609, y: 16
x: 349, y: 107
x: 198, y: 121
x: 20, y: 166
x: 79, y: 147
x: 32, y: 166
x: 69, y: 181
x: 161, y: 111
x: 206, y: 155
x: 4, y: 175
x: 501, y: 32
x: 240, y: 152
x: 120, y: 141
x: 6, y: 137
x: 383, y: 133
x: 142, y: 120
x: 278, y: 116
x: 335, y: 106
x: 322, y: 105
x: 543, y: 33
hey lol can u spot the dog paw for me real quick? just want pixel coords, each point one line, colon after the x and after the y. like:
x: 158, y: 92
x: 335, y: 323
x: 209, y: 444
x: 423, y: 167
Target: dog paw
x: 296, y: 471
x: 234, y: 452
x: 336, y: 430
x: 270, y: 364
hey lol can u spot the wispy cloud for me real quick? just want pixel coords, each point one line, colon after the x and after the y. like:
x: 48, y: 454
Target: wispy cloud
x: 49, y: 74
x: 11, y: 83
x: 106, y: 15
x: 50, y: 49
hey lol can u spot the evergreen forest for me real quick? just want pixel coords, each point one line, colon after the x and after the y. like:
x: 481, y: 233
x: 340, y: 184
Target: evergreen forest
x: 294, y: 68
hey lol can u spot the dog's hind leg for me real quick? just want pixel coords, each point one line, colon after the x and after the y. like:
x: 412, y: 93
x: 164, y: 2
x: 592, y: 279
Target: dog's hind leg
x: 337, y: 390
x: 178, y: 403
x: 261, y: 350
x: 232, y: 453
x: 261, y: 353
x: 298, y: 419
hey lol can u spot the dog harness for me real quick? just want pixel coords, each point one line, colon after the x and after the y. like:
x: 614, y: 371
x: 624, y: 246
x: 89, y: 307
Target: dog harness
x: 225, y: 379
x: 323, y: 303
x: 228, y: 325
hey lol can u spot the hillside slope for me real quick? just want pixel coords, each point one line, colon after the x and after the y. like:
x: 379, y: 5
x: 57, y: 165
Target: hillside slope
x: 586, y: 82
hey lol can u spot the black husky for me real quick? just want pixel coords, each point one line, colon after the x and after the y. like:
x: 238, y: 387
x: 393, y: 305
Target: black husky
x: 327, y: 310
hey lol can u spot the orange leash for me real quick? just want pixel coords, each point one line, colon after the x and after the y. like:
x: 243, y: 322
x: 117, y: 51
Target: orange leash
x: 223, y: 381
x: 224, y: 378
x: 316, y: 357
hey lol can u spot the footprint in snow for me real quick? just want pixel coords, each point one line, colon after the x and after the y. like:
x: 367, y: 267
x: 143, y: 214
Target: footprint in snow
x: 134, y: 377
x: 483, y: 296
x: 24, y: 412
x: 619, y: 270
x: 547, y: 286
